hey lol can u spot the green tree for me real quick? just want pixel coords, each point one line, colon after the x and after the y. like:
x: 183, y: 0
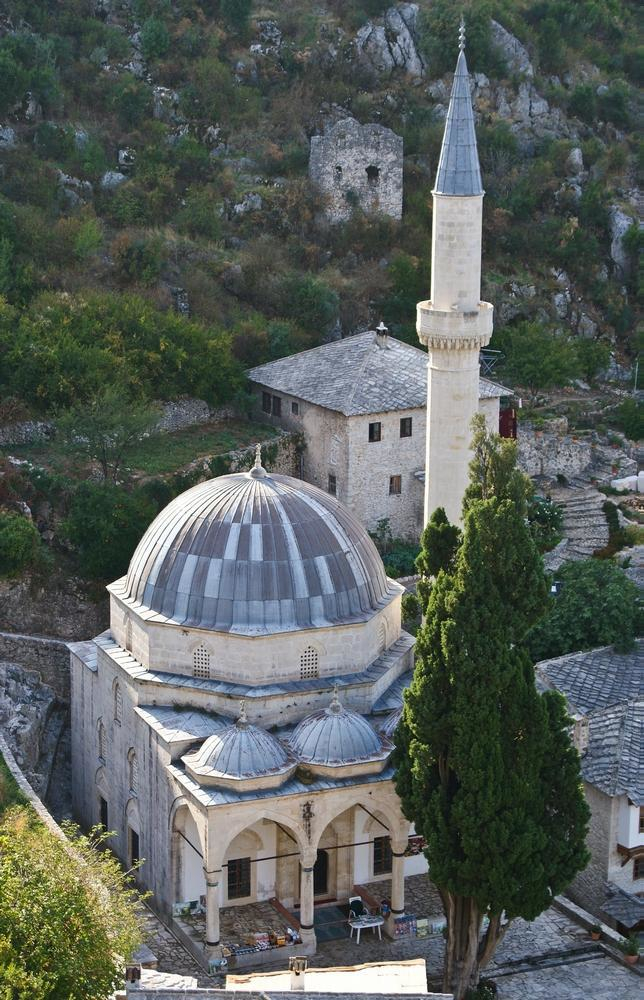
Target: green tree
x: 107, y: 427
x: 484, y: 765
x: 68, y: 918
x: 535, y: 357
x: 19, y: 543
x: 236, y: 13
x: 439, y: 544
x: 105, y: 524
x: 595, y: 606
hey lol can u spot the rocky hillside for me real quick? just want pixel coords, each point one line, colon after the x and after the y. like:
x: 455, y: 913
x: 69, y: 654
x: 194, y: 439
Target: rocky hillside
x: 159, y: 150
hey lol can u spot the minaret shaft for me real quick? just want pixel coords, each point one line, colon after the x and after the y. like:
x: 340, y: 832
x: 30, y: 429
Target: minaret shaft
x: 454, y: 324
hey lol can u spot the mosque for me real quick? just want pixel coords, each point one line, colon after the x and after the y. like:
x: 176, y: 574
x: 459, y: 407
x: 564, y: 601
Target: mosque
x: 234, y: 724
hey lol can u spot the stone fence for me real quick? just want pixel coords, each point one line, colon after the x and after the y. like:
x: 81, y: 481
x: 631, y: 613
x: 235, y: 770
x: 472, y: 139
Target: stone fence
x: 38, y: 806
x: 49, y: 657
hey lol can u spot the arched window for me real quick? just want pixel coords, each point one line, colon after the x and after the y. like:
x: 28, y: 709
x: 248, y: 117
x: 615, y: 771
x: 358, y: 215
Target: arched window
x: 382, y: 637
x: 373, y: 175
x: 309, y: 663
x: 201, y: 662
x: 133, y: 771
x: 102, y: 740
x: 128, y: 634
x: 118, y: 703
x: 338, y: 174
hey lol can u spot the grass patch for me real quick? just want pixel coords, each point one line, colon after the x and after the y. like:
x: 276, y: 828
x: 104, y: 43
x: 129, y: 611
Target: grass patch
x: 10, y: 794
x: 159, y: 453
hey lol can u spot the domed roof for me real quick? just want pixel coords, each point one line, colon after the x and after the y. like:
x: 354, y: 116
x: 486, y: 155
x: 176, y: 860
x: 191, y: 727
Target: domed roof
x: 254, y: 553
x: 336, y: 736
x: 239, y: 753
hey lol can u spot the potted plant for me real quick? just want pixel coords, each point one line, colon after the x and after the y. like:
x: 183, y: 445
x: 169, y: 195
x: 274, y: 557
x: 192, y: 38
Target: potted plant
x: 630, y: 947
x: 595, y: 932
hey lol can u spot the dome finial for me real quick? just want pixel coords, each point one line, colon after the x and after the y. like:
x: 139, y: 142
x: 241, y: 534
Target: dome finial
x: 242, y: 721
x: 461, y: 35
x: 258, y: 471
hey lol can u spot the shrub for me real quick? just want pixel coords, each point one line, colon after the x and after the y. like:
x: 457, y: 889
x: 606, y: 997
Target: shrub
x: 236, y: 13
x: 309, y: 302
x: 439, y: 33
x: 138, y: 260
x: 583, y: 103
x: 89, y: 239
x: 199, y: 215
x: 105, y: 524
x: 629, y: 417
x: 596, y: 606
x: 535, y: 357
x: 19, y: 543
x: 131, y: 100
x: 155, y: 38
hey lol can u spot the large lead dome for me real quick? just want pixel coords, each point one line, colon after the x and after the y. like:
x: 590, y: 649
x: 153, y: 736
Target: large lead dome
x: 253, y: 553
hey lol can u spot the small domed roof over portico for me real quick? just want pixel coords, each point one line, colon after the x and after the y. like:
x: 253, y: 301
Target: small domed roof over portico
x: 335, y: 737
x: 242, y: 755
x: 254, y: 554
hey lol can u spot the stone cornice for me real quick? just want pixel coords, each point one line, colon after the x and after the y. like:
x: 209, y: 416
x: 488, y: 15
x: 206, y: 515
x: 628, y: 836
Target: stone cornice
x: 454, y: 330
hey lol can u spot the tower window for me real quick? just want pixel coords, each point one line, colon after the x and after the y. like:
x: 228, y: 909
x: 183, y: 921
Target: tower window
x: 239, y: 878
x: 405, y: 427
x: 201, y: 662
x: 333, y: 485
x: 373, y: 175
x: 266, y: 402
x: 309, y: 663
x: 381, y: 856
x: 375, y: 431
x: 337, y: 174
x: 395, y: 486
x: 118, y: 703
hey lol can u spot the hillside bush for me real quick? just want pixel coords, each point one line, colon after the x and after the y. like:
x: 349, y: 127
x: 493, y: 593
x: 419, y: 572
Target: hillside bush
x: 535, y: 357
x: 19, y: 543
x: 105, y: 524
x: 62, y: 349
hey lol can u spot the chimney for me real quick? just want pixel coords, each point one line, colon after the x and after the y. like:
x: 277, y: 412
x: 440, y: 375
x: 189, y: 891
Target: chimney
x: 297, y: 966
x: 382, y: 336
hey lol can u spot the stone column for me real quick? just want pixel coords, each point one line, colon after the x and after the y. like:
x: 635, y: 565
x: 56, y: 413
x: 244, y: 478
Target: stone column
x: 213, y: 879
x: 398, y: 848
x: 307, y: 861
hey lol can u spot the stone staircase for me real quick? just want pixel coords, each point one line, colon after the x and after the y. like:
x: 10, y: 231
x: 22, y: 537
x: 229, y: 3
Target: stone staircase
x: 585, y: 528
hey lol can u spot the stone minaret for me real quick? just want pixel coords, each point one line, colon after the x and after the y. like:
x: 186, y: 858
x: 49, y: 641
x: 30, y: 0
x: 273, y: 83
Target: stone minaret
x: 454, y: 324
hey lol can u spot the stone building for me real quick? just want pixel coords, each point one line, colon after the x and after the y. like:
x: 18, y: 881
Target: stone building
x: 361, y: 404
x: 358, y: 166
x: 265, y: 591
x: 604, y: 691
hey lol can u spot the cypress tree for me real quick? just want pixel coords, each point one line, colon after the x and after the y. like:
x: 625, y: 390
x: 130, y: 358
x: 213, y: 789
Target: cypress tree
x: 485, y: 767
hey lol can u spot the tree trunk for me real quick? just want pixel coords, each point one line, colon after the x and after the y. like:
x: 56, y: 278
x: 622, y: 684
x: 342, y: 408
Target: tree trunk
x: 460, y: 971
x: 493, y: 937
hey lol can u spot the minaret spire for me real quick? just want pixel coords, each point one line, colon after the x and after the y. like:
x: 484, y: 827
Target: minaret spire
x: 454, y: 324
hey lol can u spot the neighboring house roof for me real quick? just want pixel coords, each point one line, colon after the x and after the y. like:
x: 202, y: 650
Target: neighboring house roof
x: 623, y: 906
x: 459, y: 172
x: 596, y: 678
x: 615, y: 754
x: 608, y: 687
x: 356, y: 375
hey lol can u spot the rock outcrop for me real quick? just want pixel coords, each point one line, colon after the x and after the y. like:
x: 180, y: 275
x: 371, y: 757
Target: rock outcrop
x: 393, y: 43
x: 515, y: 55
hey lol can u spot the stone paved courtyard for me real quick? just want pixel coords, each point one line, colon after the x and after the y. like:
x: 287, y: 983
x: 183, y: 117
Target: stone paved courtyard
x: 578, y: 970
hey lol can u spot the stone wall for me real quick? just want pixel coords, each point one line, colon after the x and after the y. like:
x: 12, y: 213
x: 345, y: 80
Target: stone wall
x: 26, y: 432
x: 550, y: 451
x: 589, y: 887
x: 181, y: 413
x: 358, y: 165
x: 49, y: 657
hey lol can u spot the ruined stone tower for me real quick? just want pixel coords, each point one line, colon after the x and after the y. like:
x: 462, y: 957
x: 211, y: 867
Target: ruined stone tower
x: 454, y: 324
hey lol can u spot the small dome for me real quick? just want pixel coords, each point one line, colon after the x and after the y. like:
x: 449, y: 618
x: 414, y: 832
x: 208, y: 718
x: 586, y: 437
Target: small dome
x: 241, y: 754
x: 253, y: 553
x: 336, y: 736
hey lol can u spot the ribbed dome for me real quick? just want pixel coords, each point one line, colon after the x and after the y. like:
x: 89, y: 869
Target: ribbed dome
x: 335, y: 736
x: 241, y: 752
x: 253, y: 553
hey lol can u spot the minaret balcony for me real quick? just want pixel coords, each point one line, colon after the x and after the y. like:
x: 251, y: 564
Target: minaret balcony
x: 454, y: 329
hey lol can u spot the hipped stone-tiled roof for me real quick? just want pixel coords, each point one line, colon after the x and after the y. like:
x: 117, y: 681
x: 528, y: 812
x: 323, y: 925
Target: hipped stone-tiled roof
x: 358, y: 376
